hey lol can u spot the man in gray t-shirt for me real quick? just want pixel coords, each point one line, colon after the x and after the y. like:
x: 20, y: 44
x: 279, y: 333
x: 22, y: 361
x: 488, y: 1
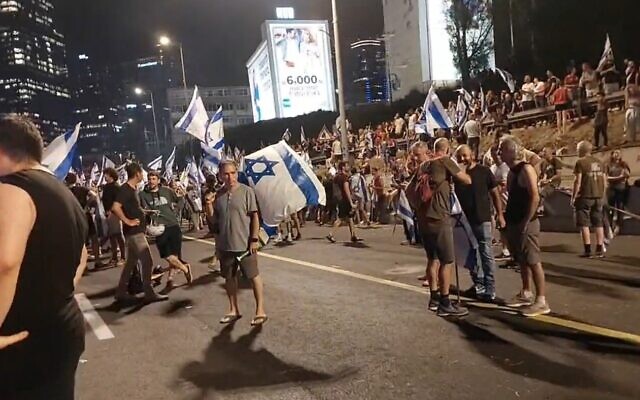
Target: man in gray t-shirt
x: 235, y: 214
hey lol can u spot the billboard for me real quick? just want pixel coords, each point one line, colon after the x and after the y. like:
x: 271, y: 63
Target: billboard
x: 302, y: 67
x: 260, y: 83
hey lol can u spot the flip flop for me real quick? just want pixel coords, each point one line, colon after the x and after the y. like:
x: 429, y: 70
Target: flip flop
x: 260, y: 320
x: 230, y: 319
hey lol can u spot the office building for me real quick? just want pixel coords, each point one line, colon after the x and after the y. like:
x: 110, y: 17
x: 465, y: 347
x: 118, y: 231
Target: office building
x: 33, y: 71
x: 370, y: 80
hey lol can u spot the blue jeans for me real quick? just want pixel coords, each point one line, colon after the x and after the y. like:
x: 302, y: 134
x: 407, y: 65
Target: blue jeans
x: 483, y: 274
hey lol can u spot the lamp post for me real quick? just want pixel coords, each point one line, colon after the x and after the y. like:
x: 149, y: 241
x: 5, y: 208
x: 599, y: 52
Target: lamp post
x: 139, y: 91
x: 164, y: 41
x: 344, y: 139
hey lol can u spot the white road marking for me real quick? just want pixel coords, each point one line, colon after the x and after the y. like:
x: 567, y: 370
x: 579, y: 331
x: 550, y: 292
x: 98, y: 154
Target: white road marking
x: 566, y: 323
x: 97, y: 324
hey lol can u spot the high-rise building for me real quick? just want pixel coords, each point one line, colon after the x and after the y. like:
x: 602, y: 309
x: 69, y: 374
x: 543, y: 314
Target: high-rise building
x: 370, y: 80
x: 33, y: 70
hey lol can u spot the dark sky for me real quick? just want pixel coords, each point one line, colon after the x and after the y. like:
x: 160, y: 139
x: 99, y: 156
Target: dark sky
x: 218, y: 36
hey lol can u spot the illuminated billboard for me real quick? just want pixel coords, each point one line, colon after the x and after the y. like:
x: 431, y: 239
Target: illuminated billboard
x: 302, y: 68
x: 260, y: 83
x: 291, y: 72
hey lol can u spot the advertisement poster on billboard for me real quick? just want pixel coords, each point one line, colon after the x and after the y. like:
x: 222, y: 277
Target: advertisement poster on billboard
x: 260, y: 83
x: 303, y: 70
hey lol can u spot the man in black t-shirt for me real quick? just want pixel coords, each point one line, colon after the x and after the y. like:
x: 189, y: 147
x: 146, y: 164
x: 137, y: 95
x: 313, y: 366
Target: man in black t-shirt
x: 346, y: 205
x: 127, y: 208
x: 87, y: 200
x: 476, y: 200
x: 114, y: 225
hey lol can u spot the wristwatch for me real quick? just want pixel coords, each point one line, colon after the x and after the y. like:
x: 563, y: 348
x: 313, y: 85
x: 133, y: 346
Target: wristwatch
x: 254, y: 240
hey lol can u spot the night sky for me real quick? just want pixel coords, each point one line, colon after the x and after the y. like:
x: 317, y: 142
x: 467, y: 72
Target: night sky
x: 218, y: 36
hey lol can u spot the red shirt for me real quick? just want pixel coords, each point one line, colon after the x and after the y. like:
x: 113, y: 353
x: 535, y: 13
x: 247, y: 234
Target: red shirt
x: 571, y: 80
x: 560, y: 96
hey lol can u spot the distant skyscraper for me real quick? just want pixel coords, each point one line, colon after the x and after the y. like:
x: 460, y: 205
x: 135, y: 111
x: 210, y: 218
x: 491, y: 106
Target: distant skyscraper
x: 371, y: 84
x: 33, y: 71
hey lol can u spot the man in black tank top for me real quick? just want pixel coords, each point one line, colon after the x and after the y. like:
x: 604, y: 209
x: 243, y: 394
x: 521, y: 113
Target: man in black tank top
x: 523, y: 230
x: 42, y: 256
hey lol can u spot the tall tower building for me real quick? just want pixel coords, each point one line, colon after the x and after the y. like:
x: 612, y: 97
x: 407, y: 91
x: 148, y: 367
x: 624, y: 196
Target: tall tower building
x: 370, y: 80
x: 33, y: 72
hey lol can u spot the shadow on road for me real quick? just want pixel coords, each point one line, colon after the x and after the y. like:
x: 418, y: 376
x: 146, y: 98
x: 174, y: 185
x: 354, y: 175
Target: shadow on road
x: 593, y: 275
x: 176, y: 305
x: 575, y: 371
x: 230, y: 365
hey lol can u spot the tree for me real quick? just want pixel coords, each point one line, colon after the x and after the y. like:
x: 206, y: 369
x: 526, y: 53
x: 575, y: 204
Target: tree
x: 469, y: 24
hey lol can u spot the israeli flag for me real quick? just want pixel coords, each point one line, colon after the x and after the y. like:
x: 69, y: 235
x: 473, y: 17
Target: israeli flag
x: 95, y: 174
x: 283, y: 182
x: 404, y: 210
x: 607, y: 54
x: 464, y: 241
x: 156, y: 164
x: 434, y: 114
x: 58, y: 156
x: 106, y: 163
x: 286, y: 136
x: 168, y: 165
x: 195, y: 174
x: 212, y: 157
x: 122, y: 174
x: 215, y: 130
x: 507, y: 78
x: 303, y: 138
x: 196, y: 120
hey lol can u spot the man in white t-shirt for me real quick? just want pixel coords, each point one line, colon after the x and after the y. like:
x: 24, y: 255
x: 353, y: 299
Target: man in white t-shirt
x: 472, y: 130
x: 589, y: 80
x: 336, y: 150
x: 413, y: 119
x: 500, y: 171
x: 528, y: 91
x: 399, y: 125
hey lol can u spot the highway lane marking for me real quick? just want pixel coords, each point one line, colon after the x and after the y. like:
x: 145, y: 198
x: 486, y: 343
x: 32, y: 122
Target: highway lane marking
x: 565, y: 323
x: 99, y: 327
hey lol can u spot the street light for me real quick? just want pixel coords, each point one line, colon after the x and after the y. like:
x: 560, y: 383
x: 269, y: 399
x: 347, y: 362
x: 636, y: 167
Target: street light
x: 139, y: 91
x: 165, y: 41
x: 343, y: 114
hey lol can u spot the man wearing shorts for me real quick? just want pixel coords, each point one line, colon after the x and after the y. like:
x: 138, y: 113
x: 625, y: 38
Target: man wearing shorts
x: 346, y: 206
x: 434, y: 220
x: 588, y: 192
x: 523, y: 229
x: 163, y: 200
x: 236, y: 215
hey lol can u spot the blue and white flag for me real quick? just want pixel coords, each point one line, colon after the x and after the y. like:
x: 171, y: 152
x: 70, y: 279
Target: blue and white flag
x: 215, y: 130
x: 404, y: 210
x: 106, y: 163
x: 168, y: 165
x: 434, y: 114
x: 212, y: 157
x: 59, y: 154
x: 195, y: 121
x: 122, y: 174
x: 156, y: 164
x: 464, y: 241
x: 303, y: 138
x: 283, y: 182
x: 286, y: 136
x: 483, y: 102
x: 607, y: 54
x: 194, y: 173
x: 95, y: 175
x: 507, y: 78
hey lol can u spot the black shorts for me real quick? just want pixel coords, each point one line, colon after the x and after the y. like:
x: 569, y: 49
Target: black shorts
x: 562, y: 107
x: 344, y: 209
x: 229, y: 264
x: 170, y: 242
x: 589, y: 213
x: 437, y: 240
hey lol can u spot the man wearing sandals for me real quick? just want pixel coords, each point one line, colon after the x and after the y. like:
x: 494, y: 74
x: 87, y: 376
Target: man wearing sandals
x: 162, y: 200
x: 235, y: 212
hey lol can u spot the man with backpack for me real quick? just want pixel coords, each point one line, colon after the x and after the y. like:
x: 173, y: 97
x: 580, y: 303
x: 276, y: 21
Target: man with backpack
x: 430, y: 195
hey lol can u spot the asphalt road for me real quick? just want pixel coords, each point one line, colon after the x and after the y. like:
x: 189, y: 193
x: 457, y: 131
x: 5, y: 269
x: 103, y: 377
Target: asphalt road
x: 350, y: 322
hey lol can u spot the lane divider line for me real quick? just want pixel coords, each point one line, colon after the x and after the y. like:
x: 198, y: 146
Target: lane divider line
x: 97, y: 324
x: 565, y: 323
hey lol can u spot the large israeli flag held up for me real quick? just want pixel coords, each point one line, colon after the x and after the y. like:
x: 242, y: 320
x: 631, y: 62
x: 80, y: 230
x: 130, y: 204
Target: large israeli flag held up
x: 58, y: 156
x: 215, y: 130
x: 156, y: 164
x: 435, y: 114
x: 195, y: 121
x: 283, y: 182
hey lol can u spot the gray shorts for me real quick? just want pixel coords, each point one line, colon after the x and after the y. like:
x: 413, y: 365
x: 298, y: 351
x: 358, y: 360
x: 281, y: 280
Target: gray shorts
x: 589, y: 213
x: 525, y: 247
x: 114, y: 225
x: 437, y: 240
x: 229, y: 264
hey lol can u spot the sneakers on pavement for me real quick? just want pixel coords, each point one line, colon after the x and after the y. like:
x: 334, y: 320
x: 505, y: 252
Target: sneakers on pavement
x: 487, y: 297
x: 536, y: 309
x: 520, y: 300
x: 434, y: 302
x: 473, y: 292
x: 451, y: 311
